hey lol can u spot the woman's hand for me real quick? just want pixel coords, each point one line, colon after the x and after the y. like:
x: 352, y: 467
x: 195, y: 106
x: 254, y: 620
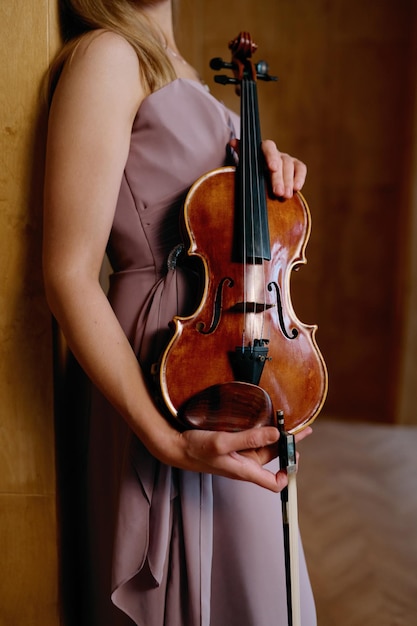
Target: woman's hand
x: 287, y: 173
x: 240, y: 456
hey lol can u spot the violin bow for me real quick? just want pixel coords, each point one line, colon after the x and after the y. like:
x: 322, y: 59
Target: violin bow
x: 288, y: 461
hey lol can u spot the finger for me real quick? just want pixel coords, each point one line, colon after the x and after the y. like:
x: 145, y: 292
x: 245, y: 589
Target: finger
x: 250, y: 439
x: 234, y: 143
x: 272, y: 155
x: 247, y: 469
x: 300, y: 173
x: 275, y: 164
x: 262, y: 455
x: 303, y: 434
x: 288, y: 174
x: 216, y: 453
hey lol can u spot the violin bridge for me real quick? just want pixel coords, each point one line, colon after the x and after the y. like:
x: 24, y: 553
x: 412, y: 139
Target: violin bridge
x: 248, y: 362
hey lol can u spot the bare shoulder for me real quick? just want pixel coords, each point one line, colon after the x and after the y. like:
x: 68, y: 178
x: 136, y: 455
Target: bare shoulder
x: 104, y: 45
x: 103, y: 62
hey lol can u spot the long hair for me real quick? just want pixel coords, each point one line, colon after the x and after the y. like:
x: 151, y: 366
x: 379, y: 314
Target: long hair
x: 123, y: 17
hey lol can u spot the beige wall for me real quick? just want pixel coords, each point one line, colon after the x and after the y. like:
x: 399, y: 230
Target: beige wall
x: 28, y: 580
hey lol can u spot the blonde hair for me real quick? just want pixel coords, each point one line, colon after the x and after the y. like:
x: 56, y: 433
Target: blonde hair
x: 123, y: 17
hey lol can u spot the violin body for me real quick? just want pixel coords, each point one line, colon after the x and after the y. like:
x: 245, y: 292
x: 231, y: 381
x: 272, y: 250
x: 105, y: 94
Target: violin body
x: 209, y: 350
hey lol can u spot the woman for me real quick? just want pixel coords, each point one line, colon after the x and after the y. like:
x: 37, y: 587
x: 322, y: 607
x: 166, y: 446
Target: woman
x: 192, y: 547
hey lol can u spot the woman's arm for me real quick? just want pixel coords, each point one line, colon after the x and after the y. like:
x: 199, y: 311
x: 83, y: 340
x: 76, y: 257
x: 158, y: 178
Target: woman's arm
x: 88, y: 142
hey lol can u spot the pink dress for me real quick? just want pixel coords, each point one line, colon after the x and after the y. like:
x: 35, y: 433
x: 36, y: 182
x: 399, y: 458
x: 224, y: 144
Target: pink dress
x: 188, y: 549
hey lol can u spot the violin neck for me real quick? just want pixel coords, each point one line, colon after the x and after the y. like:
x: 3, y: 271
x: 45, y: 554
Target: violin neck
x: 253, y: 216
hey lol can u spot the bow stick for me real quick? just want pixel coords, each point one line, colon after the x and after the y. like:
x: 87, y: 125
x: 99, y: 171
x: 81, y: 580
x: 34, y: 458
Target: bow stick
x: 287, y: 456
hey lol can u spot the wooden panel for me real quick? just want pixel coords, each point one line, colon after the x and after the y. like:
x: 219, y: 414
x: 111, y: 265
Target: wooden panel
x: 407, y: 409
x: 28, y: 587
x: 28, y: 584
x: 341, y: 105
x: 27, y: 456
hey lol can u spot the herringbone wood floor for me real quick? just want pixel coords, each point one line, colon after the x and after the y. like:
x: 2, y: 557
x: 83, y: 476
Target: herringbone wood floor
x: 357, y: 489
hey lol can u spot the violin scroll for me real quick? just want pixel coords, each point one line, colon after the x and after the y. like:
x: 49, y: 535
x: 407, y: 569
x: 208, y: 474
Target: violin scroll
x: 242, y: 48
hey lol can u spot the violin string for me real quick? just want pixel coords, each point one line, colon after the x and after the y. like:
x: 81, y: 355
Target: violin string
x: 251, y: 203
x: 252, y: 161
x: 262, y: 217
x: 262, y: 209
x: 243, y: 221
x: 256, y: 187
x: 251, y: 297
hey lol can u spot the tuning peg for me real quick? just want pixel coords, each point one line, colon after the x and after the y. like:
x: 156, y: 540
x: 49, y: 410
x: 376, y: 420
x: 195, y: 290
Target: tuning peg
x: 262, y: 68
x: 225, y: 80
x: 219, y: 64
x: 266, y: 77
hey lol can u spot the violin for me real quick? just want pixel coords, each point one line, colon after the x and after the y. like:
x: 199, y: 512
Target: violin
x: 243, y: 355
